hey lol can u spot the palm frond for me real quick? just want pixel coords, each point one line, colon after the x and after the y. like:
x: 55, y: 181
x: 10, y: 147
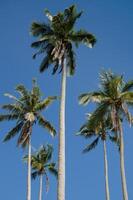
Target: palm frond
x: 14, y: 98
x: 127, y: 113
x: 115, y: 140
x: 56, y: 66
x: 70, y: 59
x: 127, y: 96
x: 22, y: 90
x: 70, y: 17
x: 52, y: 169
x: 13, y: 132
x: 36, y: 90
x: 86, y: 132
x: 91, y: 96
x: 45, y: 103
x: 8, y: 117
x: 34, y: 175
x: 46, y: 124
x: 128, y: 86
x: 39, y: 29
x: 23, y: 139
x: 84, y: 37
x: 13, y: 108
x: 48, y: 15
x: 91, y: 146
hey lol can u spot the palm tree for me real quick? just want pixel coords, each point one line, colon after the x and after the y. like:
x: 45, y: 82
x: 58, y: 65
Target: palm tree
x: 114, y: 99
x: 55, y: 42
x: 41, y: 165
x: 98, y: 128
x: 26, y: 111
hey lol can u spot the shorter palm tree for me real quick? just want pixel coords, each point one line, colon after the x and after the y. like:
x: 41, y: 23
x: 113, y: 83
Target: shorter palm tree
x: 26, y: 110
x: 115, y: 97
x: 98, y: 128
x: 41, y: 165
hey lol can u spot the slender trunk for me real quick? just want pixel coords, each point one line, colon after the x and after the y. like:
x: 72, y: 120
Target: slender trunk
x: 29, y: 171
x: 122, y: 165
x: 40, y: 189
x: 61, y: 155
x: 106, y: 171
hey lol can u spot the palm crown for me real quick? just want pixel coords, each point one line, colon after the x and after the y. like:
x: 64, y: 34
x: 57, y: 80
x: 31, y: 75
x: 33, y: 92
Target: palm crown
x: 95, y: 127
x: 56, y: 39
x: 41, y: 162
x: 113, y: 98
x: 26, y: 110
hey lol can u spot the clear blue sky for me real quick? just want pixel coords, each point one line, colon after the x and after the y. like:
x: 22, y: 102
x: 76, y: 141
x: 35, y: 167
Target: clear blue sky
x: 111, y: 22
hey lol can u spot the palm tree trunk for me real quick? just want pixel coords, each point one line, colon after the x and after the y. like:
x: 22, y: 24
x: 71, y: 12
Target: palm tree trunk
x: 122, y: 165
x: 40, y: 190
x: 61, y: 155
x: 106, y: 171
x: 29, y: 171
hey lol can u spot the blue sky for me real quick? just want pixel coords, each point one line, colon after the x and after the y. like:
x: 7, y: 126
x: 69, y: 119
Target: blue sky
x: 111, y: 22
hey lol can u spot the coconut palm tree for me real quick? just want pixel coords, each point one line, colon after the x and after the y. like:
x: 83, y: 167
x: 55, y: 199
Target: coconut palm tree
x: 114, y: 98
x: 99, y: 129
x: 26, y: 111
x: 41, y: 165
x: 55, y: 42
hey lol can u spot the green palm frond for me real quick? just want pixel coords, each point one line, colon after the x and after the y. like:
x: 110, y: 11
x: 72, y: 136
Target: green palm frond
x: 46, y: 62
x: 127, y: 113
x: 91, y: 97
x: 47, y: 125
x: 70, y: 17
x: 36, y: 90
x: 34, y: 175
x: 85, y: 131
x: 70, y: 59
x: 115, y: 140
x: 127, y: 96
x: 8, y: 117
x: 24, y: 135
x: 49, y: 15
x: 84, y: 37
x: 56, y: 66
x: 128, y: 86
x: 13, y: 132
x: 49, y: 151
x: 39, y: 29
x: 12, y: 108
x: 14, y: 98
x: 111, y: 84
x: 52, y: 169
x: 45, y: 103
x: 22, y: 90
x: 91, y: 146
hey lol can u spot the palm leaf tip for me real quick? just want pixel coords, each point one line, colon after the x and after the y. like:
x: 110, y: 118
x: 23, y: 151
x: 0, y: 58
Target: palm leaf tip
x: 91, y: 146
x: 46, y: 124
x: 48, y: 14
x: 83, y: 99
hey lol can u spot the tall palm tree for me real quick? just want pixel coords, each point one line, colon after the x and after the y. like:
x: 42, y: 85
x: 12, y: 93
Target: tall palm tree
x: 41, y: 165
x: 99, y: 129
x: 26, y: 111
x: 114, y: 98
x: 55, y: 42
